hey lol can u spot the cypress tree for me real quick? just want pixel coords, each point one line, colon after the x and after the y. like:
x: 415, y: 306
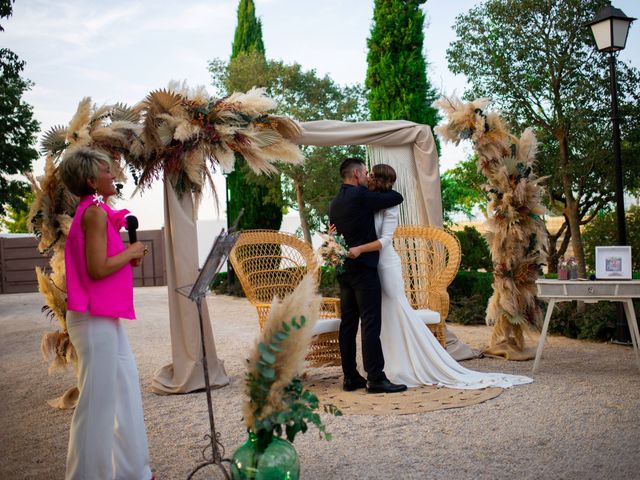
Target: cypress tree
x: 396, y: 81
x: 248, y: 34
x: 261, y: 198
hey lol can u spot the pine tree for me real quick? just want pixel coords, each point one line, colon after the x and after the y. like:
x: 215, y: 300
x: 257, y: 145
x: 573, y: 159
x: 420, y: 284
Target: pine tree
x: 261, y: 197
x: 396, y: 81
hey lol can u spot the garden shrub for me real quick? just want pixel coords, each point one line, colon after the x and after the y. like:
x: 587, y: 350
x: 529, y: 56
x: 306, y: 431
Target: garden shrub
x: 475, y: 250
x: 469, y: 293
x: 468, y: 310
x: 470, y: 283
x: 329, y: 286
x: 222, y: 286
x: 597, y: 322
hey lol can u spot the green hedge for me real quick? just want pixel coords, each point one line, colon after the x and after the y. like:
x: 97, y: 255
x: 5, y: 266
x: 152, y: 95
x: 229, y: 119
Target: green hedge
x: 469, y: 293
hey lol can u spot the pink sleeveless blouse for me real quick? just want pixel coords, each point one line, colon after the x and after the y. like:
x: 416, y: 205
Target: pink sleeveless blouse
x: 111, y: 296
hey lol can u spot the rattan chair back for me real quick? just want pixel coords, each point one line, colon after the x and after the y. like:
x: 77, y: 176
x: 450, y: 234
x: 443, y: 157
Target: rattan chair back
x: 270, y: 264
x: 430, y: 259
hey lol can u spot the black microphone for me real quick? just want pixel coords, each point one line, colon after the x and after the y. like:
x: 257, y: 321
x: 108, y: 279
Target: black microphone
x: 132, y: 226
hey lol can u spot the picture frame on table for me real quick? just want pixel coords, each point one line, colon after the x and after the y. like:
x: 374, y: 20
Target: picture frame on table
x: 613, y: 263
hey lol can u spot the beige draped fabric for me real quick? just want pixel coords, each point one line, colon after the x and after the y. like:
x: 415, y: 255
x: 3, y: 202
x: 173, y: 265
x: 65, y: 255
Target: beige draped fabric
x: 184, y: 374
x: 389, y: 133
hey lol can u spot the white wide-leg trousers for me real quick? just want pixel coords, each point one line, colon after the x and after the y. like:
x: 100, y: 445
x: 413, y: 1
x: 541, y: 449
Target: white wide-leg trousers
x: 107, y: 439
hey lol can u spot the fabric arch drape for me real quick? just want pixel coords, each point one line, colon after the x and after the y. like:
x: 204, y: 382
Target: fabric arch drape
x: 185, y: 373
x: 395, y: 138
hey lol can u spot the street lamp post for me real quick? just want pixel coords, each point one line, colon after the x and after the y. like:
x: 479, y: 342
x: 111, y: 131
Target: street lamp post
x: 610, y: 29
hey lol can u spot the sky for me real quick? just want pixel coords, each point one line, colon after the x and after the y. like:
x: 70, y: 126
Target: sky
x: 120, y: 50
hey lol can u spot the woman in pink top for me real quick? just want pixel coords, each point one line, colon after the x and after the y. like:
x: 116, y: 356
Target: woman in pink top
x: 107, y: 438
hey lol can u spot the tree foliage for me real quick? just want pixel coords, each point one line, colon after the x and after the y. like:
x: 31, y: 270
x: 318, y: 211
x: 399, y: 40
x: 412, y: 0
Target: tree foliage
x: 6, y: 9
x: 462, y: 191
x: 539, y: 64
x: 18, y: 128
x: 259, y: 196
x: 304, y: 96
x: 15, y: 221
x: 396, y: 81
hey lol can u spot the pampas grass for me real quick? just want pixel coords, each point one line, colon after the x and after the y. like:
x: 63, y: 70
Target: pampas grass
x: 515, y: 230
x: 277, y: 402
x: 180, y: 120
x: 111, y: 129
x: 289, y: 362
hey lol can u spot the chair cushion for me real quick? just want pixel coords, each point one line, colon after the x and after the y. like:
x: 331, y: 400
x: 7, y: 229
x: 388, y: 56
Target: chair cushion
x: 429, y: 317
x: 326, y: 325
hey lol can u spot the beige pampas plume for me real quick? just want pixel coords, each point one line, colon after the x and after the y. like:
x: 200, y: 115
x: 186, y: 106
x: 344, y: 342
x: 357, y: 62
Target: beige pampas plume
x: 254, y: 102
x: 289, y: 361
x: 197, y: 94
x: 79, y: 125
x: 527, y: 147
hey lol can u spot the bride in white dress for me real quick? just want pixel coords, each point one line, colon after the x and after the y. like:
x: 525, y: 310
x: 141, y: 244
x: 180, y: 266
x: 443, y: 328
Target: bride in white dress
x: 412, y: 354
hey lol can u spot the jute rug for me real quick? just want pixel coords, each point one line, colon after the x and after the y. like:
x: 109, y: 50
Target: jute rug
x: 328, y: 388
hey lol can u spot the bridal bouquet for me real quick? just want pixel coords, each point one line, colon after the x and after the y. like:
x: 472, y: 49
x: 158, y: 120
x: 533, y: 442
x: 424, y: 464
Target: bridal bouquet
x: 333, y: 250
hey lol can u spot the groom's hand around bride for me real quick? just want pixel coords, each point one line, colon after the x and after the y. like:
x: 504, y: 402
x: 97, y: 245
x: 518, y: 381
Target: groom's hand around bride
x: 354, y: 252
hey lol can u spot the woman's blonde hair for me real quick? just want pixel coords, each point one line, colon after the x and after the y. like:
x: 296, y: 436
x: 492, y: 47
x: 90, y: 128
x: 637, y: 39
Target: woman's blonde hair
x: 382, y: 178
x: 79, y: 166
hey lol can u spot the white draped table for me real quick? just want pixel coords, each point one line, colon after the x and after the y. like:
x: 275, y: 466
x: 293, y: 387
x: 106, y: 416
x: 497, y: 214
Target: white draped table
x: 590, y: 291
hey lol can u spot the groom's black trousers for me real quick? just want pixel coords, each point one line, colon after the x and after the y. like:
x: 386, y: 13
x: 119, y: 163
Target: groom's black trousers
x: 360, y: 298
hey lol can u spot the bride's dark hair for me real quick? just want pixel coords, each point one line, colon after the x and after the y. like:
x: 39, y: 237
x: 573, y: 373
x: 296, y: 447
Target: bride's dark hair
x: 382, y: 178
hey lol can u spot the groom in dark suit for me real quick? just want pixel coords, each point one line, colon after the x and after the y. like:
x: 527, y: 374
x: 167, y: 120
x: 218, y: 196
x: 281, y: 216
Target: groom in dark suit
x: 351, y: 212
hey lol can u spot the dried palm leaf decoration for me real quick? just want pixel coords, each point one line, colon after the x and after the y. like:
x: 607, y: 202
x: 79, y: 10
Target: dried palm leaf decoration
x: 112, y: 129
x: 187, y: 134
x: 515, y: 229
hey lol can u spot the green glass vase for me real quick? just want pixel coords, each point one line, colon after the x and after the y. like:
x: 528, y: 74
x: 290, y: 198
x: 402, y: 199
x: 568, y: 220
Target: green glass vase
x: 279, y: 461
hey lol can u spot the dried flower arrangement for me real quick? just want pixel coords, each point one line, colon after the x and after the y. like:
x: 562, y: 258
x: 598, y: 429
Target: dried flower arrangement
x: 178, y: 134
x: 515, y: 229
x: 186, y: 135
x: 108, y: 128
x: 277, y: 403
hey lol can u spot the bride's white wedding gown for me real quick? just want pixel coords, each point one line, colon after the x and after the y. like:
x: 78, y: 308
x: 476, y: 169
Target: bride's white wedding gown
x: 412, y: 354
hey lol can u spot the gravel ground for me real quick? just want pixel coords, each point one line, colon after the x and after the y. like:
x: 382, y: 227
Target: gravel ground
x: 579, y: 419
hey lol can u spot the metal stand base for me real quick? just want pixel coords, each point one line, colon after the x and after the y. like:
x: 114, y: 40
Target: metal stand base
x: 217, y: 449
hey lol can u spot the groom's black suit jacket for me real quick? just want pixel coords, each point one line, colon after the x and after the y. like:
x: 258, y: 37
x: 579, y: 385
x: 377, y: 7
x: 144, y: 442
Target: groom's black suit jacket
x: 351, y: 211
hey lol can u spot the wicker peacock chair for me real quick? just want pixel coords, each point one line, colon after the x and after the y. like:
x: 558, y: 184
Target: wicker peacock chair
x: 271, y: 264
x: 430, y: 260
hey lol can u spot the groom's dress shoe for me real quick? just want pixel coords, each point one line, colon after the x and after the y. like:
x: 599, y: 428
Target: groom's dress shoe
x: 385, y: 386
x: 351, y: 384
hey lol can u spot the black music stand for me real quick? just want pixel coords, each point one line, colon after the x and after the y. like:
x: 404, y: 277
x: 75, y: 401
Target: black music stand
x: 217, y: 256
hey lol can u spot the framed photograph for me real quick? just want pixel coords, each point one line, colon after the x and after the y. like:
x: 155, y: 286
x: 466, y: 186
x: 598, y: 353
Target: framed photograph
x: 613, y: 263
